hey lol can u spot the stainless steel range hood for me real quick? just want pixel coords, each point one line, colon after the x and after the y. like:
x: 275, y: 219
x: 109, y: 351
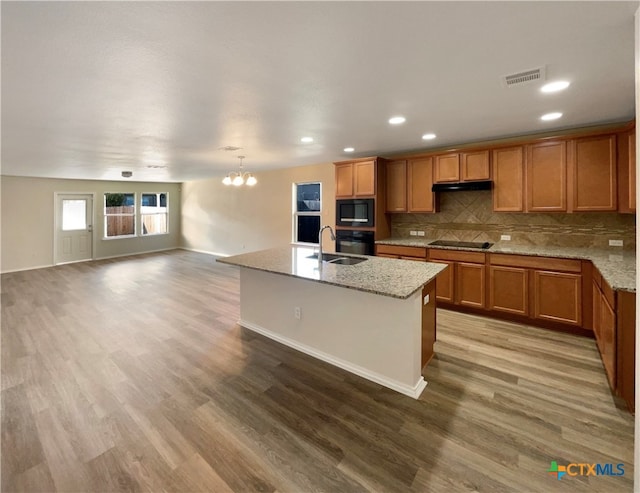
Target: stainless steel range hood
x: 462, y: 186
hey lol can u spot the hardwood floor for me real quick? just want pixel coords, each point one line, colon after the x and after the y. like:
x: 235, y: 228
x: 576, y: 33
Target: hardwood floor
x: 132, y: 375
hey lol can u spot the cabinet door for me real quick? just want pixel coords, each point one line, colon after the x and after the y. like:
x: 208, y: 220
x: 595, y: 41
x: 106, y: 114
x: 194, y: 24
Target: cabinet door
x: 558, y: 297
x: 594, y: 174
x: 632, y: 170
x: 397, y: 186
x: 608, y: 332
x: 444, y: 282
x: 597, y: 306
x: 419, y: 182
x: 446, y: 168
x: 470, y: 284
x: 508, y: 179
x: 475, y: 166
x: 546, y: 166
x: 364, y: 180
x: 344, y: 180
x: 508, y: 290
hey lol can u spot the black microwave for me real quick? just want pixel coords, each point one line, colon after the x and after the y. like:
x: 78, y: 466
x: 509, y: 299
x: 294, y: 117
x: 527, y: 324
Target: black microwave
x: 355, y: 213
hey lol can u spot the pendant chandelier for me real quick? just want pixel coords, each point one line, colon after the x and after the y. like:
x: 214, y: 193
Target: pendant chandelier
x: 239, y: 178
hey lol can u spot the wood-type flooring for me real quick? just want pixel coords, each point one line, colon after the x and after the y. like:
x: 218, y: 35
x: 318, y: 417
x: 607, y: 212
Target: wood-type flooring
x: 131, y: 374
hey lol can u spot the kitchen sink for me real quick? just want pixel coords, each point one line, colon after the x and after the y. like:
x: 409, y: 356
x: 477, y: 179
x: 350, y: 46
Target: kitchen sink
x: 347, y: 260
x: 332, y: 258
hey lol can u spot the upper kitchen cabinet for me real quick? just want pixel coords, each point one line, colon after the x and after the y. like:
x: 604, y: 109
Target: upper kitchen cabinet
x: 464, y: 166
x: 627, y: 172
x: 356, y: 178
x: 593, y: 176
x: 409, y: 185
x: 546, y: 177
x: 397, y: 186
x: 419, y: 182
x: 508, y: 179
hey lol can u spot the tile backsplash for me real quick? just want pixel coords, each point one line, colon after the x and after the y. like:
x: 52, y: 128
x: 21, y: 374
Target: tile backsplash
x: 469, y: 216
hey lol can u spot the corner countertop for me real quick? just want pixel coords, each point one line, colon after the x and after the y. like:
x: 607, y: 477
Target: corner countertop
x: 377, y: 275
x: 617, y: 266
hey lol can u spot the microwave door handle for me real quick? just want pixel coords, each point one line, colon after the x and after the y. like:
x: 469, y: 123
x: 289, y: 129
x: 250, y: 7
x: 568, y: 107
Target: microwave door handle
x: 353, y: 219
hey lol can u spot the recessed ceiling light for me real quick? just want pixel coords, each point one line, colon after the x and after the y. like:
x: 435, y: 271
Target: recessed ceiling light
x: 397, y: 120
x: 556, y: 86
x: 428, y: 136
x: 306, y: 140
x: 348, y: 149
x: 550, y: 116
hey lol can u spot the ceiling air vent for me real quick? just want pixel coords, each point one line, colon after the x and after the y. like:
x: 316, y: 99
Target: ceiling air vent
x: 525, y: 77
x: 229, y: 148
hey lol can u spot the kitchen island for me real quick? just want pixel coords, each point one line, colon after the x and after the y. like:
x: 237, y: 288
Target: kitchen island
x: 375, y: 319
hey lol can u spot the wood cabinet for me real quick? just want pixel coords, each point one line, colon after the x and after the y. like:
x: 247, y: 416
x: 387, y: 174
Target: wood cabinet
x: 463, y: 283
x: 508, y: 179
x: 403, y: 252
x: 356, y: 179
x: 558, y: 297
x: 470, y: 284
x: 464, y: 166
x: 475, y: 166
x: 593, y: 173
x: 397, y: 186
x: 546, y: 177
x: 446, y: 168
x: 509, y: 289
x: 627, y: 172
x: 604, y: 326
x: 419, y: 182
x: 626, y: 346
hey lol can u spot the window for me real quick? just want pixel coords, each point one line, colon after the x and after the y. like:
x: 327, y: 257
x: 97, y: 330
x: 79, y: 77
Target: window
x: 307, y: 199
x: 119, y: 214
x: 154, y: 213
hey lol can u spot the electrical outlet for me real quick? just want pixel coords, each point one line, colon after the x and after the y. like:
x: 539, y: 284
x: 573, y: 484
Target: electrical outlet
x: 615, y: 243
x: 505, y: 237
x: 413, y: 233
x: 420, y: 233
x: 297, y: 312
x: 425, y: 300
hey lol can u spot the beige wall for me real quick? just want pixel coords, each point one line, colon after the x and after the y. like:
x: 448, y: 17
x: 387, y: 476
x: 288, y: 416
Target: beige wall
x: 27, y: 208
x: 229, y: 220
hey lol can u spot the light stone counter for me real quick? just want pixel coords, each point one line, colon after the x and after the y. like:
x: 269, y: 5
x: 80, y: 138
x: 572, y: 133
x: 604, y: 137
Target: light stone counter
x: 377, y: 275
x: 617, y: 266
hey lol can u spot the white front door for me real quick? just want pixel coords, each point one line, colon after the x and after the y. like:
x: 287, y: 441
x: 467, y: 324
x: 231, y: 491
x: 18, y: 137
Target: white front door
x: 74, y: 228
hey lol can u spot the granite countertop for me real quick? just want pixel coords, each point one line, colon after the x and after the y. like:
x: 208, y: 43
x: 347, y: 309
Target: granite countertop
x: 383, y: 276
x: 617, y: 266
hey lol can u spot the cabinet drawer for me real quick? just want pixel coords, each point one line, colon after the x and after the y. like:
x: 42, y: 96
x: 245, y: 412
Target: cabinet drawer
x: 401, y: 251
x: 544, y: 263
x: 457, y: 256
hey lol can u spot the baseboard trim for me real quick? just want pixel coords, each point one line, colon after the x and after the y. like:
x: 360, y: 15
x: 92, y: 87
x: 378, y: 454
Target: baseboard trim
x: 24, y: 269
x: 413, y: 392
x: 137, y: 253
x: 206, y: 252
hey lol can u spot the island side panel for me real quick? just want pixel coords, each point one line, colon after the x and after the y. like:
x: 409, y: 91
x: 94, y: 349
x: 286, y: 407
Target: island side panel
x: 377, y: 337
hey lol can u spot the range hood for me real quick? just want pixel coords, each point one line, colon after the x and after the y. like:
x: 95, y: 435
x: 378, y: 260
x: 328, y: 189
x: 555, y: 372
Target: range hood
x: 462, y: 186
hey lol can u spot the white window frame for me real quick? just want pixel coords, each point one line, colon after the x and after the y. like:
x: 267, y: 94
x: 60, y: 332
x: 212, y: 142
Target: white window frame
x: 294, y: 226
x: 165, y: 213
x: 105, y: 215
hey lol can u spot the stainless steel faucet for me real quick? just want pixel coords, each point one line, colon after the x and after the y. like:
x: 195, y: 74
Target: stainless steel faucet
x: 333, y: 237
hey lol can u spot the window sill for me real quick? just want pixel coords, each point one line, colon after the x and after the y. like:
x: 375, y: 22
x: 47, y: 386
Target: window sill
x: 122, y: 237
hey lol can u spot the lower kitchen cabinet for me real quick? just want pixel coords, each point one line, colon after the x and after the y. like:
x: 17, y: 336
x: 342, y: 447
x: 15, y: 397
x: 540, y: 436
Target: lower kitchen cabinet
x: 470, y: 284
x: 463, y: 283
x: 558, y: 297
x: 509, y: 289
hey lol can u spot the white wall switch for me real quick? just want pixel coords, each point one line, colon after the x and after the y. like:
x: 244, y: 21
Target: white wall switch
x: 413, y: 233
x: 297, y: 312
x: 420, y: 233
x: 616, y: 243
x: 505, y: 237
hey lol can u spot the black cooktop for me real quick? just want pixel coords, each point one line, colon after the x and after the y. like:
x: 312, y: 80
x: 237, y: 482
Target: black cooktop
x: 462, y: 244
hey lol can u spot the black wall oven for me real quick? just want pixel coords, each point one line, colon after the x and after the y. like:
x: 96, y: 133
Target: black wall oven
x: 355, y: 213
x: 353, y: 241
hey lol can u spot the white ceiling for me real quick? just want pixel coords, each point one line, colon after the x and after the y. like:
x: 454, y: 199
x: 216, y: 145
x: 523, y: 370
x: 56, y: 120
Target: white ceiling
x: 90, y: 89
